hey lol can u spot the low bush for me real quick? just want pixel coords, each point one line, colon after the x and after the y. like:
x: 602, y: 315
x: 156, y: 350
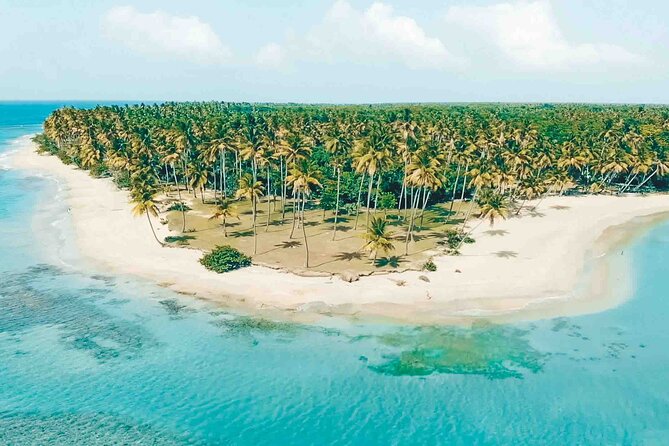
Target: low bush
x: 177, y: 206
x: 99, y: 170
x: 429, y: 266
x: 454, y: 238
x: 224, y: 259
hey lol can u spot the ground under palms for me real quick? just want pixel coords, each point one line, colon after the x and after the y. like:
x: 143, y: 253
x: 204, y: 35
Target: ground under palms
x: 276, y: 248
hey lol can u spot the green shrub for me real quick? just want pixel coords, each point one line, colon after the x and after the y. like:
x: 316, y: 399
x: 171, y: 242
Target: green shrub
x: 122, y: 180
x: 99, y: 170
x: 178, y: 206
x: 429, y: 266
x: 454, y: 238
x: 224, y: 259
x: 387, y: 200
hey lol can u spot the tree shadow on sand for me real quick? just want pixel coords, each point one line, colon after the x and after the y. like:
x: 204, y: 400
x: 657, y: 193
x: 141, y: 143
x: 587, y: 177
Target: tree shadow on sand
x: 349, y: 256
x: 496, y: 232
x: 289, y: 244
x: 247, y: 233
x: 506, y: 254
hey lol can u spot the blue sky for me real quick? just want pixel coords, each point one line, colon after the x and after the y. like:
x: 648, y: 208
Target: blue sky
x: 336, y: 50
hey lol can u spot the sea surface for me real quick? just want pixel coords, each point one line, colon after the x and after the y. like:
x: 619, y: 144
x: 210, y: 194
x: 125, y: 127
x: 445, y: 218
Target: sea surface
x: 87, y: 358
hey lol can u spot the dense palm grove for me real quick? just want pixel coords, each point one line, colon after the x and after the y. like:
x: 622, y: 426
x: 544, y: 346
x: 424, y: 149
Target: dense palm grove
x: 361, y: 160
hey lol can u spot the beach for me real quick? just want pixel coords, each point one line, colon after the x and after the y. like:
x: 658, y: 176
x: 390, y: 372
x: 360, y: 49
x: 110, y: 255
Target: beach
x: 565, y: 258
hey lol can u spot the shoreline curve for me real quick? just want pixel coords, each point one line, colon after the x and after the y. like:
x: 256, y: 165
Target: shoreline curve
x: 558, y: 261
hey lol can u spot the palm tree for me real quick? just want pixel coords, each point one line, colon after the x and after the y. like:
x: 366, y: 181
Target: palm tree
x: 377, y: 238
x: 171, y: 159
x: 251, y: 190
x: 303, y: 177
x: 296, y: 148
x: 224, y: 211
x: 143, y: 196
x: 338, y: 144
x: 493, y: 205
x: 373, y: 154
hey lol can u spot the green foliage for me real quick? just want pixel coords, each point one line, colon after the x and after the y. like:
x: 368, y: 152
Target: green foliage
x: 429, y: 266
x: 387, y: 200
x: 99, y: 170
x: 44, y: 144
x: 122, y: 180
x: 178, y: 206
x: 225, y: 258
x: 455, y: 238
x: 328, y: 198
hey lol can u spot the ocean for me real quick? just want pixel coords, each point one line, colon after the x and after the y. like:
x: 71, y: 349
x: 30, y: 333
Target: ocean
x: 88, y: 358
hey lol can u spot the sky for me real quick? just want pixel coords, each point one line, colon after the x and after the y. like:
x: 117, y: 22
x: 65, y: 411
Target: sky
x: 336, y: 51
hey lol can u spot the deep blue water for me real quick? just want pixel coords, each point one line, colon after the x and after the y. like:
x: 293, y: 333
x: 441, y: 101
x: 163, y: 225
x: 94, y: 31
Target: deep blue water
x: 87, y: 358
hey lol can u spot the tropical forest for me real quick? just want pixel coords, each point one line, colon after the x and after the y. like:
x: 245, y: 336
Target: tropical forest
x: 365, y: 188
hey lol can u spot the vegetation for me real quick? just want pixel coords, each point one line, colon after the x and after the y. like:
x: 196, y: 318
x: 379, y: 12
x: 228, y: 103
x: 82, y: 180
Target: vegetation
x: 359, y: 162
x: 378, y: 238
x: 224, y: 259
x: 430, y: 266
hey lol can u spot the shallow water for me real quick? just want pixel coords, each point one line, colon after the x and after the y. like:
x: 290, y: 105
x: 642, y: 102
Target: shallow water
x: 90, y: 359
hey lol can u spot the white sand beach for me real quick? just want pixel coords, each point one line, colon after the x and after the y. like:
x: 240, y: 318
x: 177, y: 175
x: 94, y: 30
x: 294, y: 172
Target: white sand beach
x: 563, y: 259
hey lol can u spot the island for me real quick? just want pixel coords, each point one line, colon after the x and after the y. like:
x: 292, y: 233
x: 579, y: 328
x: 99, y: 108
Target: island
x: 408, y: 212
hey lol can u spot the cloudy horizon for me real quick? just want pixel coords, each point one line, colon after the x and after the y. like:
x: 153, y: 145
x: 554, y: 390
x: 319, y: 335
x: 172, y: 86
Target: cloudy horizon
x: 336, y: 51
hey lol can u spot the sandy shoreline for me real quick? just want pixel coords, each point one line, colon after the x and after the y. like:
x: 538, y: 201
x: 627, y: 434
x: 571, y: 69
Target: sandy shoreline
x: 557, y: 261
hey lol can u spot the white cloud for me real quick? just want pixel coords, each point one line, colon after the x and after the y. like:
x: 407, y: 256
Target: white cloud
x: 271, y: 55
x: 373, y: 35
x: 160, y: 34
x: 528, y: 34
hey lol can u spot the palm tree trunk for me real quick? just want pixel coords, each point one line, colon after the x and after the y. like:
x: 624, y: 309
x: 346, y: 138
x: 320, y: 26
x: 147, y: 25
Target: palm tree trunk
x: 414, y: 205
x: 624, y: 188
x: 223, y: 176
x: 646, y: 180
x: 181, y: 203
x: 283, y: 189
x: 426, y: 198
x: 464, y: 183
x: 186, y: 176
x: 215, y: 187
x: 369, y: 196
x: 455, y: 186
x: 148, y: 217
x: 269, y: 201
x: 292, y: 230
x: 237, y: 167
x: 404, y: 183
x: 304, y: 233
x: 254, y: 167
x: 471, y: 207
x: 225, y: 229
x: 357, y: 206
x: 255, y: 233
x: 334, y: 232
x: 376, y: 196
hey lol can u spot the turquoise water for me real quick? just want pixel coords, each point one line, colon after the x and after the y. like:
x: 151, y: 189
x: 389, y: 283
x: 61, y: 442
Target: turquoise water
x: 87, y: 358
